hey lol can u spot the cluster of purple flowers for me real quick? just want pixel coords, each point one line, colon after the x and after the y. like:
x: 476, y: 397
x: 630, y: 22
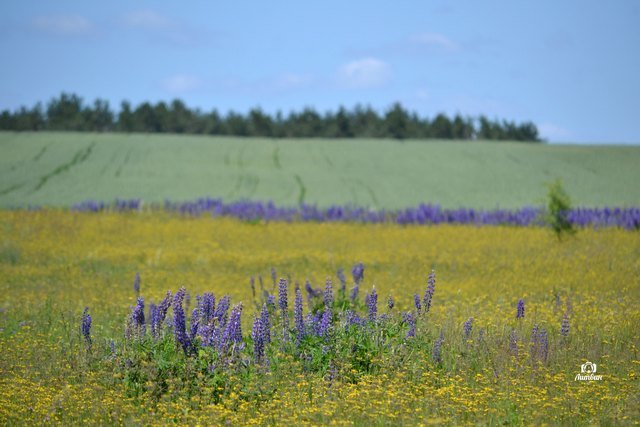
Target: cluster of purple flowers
x: 423, y: 214
x: 211, y: 326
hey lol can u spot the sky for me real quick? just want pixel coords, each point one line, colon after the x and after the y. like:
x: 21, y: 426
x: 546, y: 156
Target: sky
x: 571, y: 67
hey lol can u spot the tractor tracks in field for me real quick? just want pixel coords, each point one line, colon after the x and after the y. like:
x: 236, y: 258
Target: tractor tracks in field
x: 79, y: 157
x: 245, y: 184
x: 302, y: 190
x: 276, y: 158
x: 11, y: 189
x: 124, y: 163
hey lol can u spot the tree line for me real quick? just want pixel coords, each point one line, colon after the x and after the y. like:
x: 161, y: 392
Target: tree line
x: 69, y: 112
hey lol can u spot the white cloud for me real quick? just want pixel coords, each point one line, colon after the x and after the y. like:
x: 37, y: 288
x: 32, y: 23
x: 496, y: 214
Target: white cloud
x: 147, y: 19
x: 365, y: 73
x: 434, y: 40
x: 68, y: 25
x: 553, y: 132
x: 288, y: 81
x: 161, y: 28
x: 181, y: 83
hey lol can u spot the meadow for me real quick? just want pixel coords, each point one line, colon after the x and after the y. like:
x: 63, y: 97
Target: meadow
x: 514, y: 315
x: 61, y: 169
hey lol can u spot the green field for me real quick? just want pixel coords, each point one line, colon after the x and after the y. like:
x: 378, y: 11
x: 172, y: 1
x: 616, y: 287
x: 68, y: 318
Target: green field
x: 60, y: 169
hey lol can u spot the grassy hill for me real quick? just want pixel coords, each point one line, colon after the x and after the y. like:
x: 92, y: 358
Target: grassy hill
x: 64, y: 168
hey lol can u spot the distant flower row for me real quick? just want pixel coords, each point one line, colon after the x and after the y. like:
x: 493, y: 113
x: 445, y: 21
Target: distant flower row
x: 424, y: 214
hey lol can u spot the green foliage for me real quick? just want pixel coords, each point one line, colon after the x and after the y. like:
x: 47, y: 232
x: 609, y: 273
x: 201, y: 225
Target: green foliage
x: 558, y: 206
x: 69, y: 112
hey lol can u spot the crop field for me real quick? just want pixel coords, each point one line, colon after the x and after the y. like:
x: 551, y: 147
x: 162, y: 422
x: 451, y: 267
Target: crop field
x: 498, y: 334
x: 61, y: 169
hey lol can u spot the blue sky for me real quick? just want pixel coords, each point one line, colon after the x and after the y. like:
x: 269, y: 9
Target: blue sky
x: 572, y: 67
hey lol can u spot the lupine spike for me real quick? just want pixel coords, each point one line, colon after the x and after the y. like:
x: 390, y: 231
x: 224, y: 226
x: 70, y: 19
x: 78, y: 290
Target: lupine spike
x: 232, y: 335
x: 520, y: 309
x: 428, y: 294
x: 373, y: 305
x: 328, y: 294
x: 179, y: 323
x: 265, y: 323
x: 85, y: 327
x: 298, y: 319
x: 257, y: 335
x: 467, y: 327
x: 195, y: 323
x: 410, y: 319
x: 283, y: 304
x: 390, y: 302
x: 358, y: 273
x: 416, y: 302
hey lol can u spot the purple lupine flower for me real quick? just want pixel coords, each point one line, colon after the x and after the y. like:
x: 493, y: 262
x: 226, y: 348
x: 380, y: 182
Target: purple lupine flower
x: 138, y: 314
x: 328, y: 294
x: 410, y: 320
x: 354, y: 293
x: 325, y: 323
x: 467, y: 327
x: 358, y: 273
x: 416, y: 302
x: 352, y: 318
x: 564, y: 329
x: 232, y: 334
x: 160, y: 314
x: 221, y: 310
x: 297, y: 315
x: 282, y: 295
x: 436, y: 353
x: 342, y: 279
x: 151, y: 313
x: 257, y: 334
x: 390, y: 302
x: 136, y: 283
x: 373, y: 305
x: 195, y: 323
x: 513, y: 342
x: 366, y: 299
x: 520, y: 309
x: 112, y: 348
x: 283, y: 304
x: 271, y: 300
x: 265, y: 323
x: 207, y: 307
x: 179, y: 322
x: 85, y: 326
x: 431, y: 288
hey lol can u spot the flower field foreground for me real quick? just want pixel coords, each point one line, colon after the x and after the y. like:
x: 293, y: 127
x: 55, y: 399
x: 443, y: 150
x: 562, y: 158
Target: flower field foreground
x: 500, y: 333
